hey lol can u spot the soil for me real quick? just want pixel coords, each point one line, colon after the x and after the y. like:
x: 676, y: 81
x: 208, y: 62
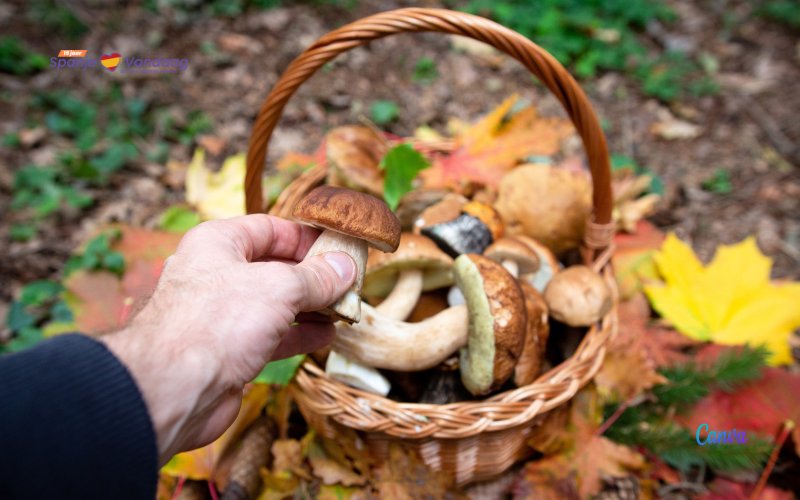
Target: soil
x: 749, y: 128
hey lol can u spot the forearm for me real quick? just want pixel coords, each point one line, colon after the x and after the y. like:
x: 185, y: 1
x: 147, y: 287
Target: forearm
x: 69, y: 408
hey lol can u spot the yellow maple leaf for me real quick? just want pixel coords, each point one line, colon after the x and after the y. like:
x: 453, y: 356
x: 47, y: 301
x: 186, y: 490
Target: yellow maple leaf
x: 731, y: 301
x: 216, y: 195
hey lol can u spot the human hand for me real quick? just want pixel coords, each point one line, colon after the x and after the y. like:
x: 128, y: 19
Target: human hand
x: 225, y: 305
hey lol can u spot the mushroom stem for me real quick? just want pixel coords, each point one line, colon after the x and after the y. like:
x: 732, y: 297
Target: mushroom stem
x: 404, y: 296
x: 387, y: 343
x: 347, y: 308
x: 511, y: 266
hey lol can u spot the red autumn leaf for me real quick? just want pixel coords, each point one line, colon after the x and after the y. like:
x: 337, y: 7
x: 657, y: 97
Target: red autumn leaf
x: 633, y: 257
x: 638, y: 332
x: 100, y: 301
x: 760, y: 407
x: 491, y: 147
x: 578, y: 470
x: 725, y: 489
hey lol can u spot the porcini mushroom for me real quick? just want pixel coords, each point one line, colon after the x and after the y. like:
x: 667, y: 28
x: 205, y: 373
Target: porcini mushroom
x: 356, y: 375
x: 350, y: 221
x: 354, y: 153
x: 547, y: 203
x: 392, y: 344
x: 475, y: 228
x: 578, y: 296
x: 497, y: 322
x: 418, y: 265
x: 548, y: 264
x: 517, y: 257
x: 532, y: 356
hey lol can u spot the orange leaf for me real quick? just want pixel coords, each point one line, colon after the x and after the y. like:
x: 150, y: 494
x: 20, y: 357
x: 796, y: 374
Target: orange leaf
x: 494, y: 145
x: 99, y: 300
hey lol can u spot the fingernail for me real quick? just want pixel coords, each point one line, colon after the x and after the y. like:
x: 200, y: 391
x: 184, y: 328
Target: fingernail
x: 342, y: 264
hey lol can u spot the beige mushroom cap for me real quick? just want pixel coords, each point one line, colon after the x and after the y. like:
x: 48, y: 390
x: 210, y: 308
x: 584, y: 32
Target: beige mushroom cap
x: 578, y: 296
x: 414, y: 252
x: 510, y: 248
x: 497, y: 322
x: 354, y: 154
x: 352, y: 213
x: 548, y: 263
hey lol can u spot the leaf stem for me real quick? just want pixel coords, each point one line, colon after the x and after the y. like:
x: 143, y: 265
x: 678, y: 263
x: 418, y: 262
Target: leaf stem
x: 783, y: 433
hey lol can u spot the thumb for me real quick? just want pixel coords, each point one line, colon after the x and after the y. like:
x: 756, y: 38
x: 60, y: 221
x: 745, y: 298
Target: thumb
x: 323, y: 279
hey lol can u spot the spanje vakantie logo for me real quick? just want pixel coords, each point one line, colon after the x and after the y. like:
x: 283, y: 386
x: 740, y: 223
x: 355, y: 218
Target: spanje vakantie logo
x: 74, y: 59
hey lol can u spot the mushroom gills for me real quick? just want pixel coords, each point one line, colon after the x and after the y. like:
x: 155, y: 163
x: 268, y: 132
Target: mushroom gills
x: 464, y: 234
x: 348, y: 307
x: 391, y: 344
x: 403, y: 297
x: 356, y: 375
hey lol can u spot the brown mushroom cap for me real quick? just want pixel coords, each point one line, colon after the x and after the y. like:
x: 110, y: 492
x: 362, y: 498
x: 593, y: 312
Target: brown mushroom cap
x: 414, y: 252
x: 353, y: 154
x: 549, y: 204
x: 352, y: 213
x: 578, y: 296
x: 510, y: 248
x: 532, y: 357
x: 497, y: 322
x: 548, y: 263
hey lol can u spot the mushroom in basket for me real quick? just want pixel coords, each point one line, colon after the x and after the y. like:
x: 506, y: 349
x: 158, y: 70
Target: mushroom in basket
x: 350, y: 221
x: 578, y: 296
x: 418, y: 265
x: 497, y: 323
x: 474, y: 229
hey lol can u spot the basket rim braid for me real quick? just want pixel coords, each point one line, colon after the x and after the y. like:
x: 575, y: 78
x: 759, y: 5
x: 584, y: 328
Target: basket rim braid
x: 516, y: 408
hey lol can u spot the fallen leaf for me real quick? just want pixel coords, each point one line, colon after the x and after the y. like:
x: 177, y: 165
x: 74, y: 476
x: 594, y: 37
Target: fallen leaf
x: 403, y: 475
x: 731, y: 301
x: 339, y: 492
x: 201, y: 464
x: 725, y: 489
x: 100, y: 301
x: 216, y: 195
x: 491, y: 147
x: 331, y: 471
x: 615, y: 381
x: 670, y: 128
x: 639, y: 333
x: 760, y: 407
x: 633, y: 257
x: 578, y: 471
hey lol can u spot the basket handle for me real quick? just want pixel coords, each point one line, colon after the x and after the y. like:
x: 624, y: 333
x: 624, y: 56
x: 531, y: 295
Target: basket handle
x: 599, y: 229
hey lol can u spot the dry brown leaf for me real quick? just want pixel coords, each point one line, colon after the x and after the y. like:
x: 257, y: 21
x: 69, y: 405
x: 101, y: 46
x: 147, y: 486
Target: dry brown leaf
x: 331, y: 471
x: 578, y: 471
x: 405, y: 476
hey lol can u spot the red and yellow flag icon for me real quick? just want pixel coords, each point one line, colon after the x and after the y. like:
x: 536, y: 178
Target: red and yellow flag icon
x: 110, y: 61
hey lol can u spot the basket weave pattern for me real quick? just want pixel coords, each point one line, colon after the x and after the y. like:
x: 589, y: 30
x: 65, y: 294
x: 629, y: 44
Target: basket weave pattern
x: 470, y: 440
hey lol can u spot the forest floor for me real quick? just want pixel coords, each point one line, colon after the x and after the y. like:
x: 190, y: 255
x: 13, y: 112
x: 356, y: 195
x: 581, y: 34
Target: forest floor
x: 748, y: 130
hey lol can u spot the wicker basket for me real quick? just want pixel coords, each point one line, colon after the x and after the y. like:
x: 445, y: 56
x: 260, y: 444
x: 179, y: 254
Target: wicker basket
x: 470, y: 440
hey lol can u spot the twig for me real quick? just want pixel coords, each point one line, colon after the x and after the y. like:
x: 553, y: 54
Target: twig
x: 614, y: 417
x: 213, y: 490
x: 178, y: 487
x: 783, y: 433
x: 779, y: 140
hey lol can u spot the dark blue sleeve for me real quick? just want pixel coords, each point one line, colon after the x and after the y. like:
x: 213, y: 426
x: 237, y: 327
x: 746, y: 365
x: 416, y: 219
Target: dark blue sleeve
x: 73, y: 424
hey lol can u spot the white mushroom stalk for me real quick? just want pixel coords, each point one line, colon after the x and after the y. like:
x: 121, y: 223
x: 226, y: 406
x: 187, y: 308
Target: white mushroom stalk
x: 403, y: 297
x: 349, y: 305
x: 356, y: 375
x: 391, y: 344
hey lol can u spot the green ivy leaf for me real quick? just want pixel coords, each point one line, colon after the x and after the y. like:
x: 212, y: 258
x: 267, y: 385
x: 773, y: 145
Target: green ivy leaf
x: 402, y: 164
x: 280, y: 372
